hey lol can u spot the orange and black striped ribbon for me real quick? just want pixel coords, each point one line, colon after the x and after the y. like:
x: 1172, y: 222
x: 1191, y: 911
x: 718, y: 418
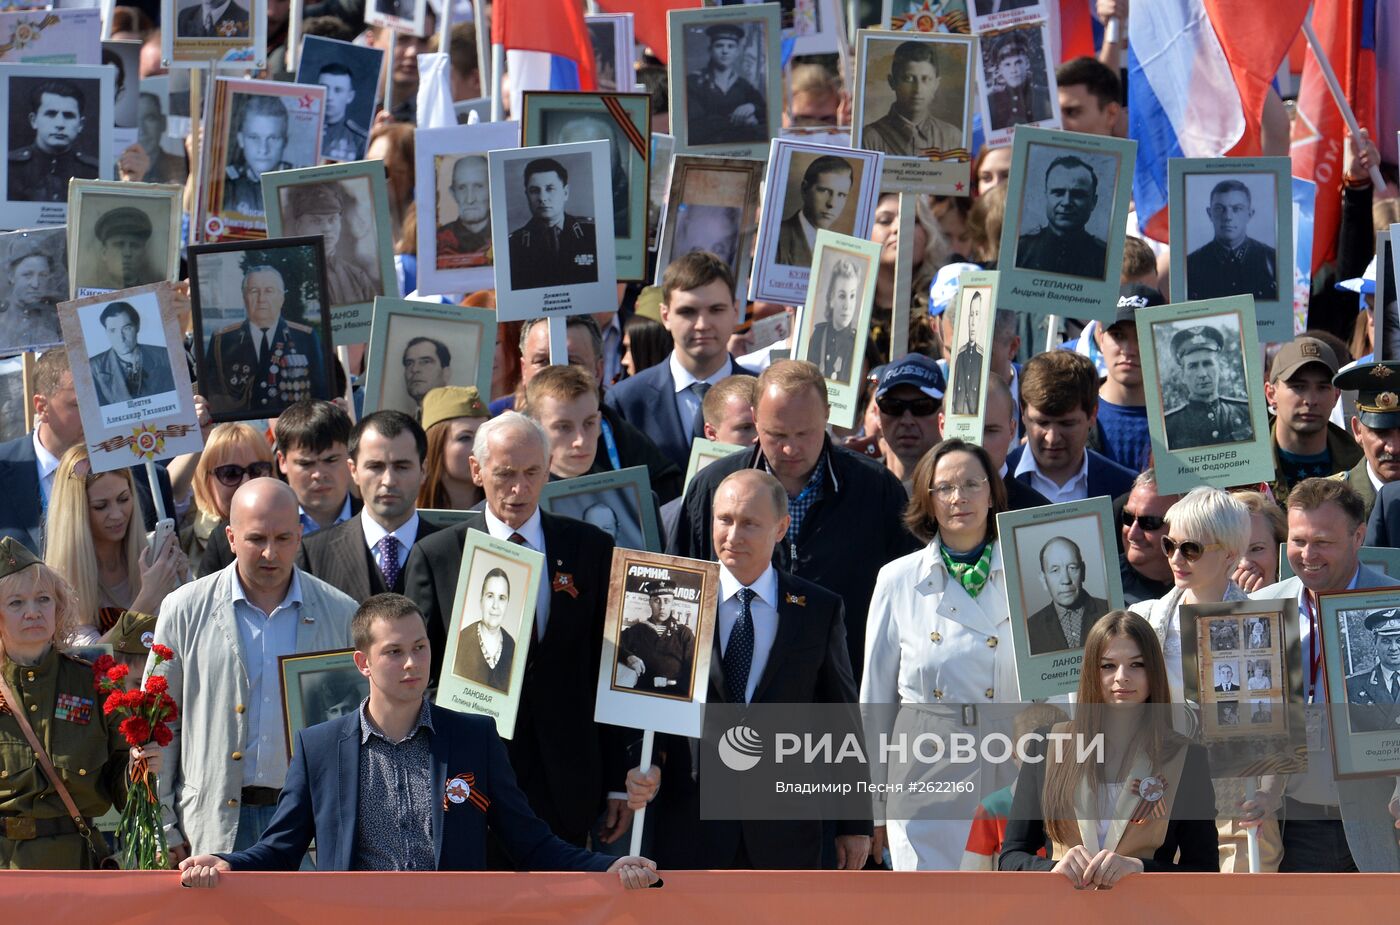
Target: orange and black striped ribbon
x: 629, y: 128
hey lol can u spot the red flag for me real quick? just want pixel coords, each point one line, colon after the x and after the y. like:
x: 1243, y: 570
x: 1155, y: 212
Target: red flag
x: 552, y: 26
x: 1319, y: 131
x: 1076, y: 30
x: 648, y: 19
x: 1255, y: 50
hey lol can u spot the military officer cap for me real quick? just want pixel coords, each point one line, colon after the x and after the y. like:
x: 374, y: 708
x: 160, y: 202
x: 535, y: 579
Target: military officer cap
x: 26, y: 246
x: 659, y: 587
x: 127, y: 220
x: 315, y: 199
x: 1298, y: 353
x: 1377, y: 387
x: 14, y: 557
x: 448, y: 402
x: 1384, y: 622
x: 1201, y: 337
x: 725, y: 30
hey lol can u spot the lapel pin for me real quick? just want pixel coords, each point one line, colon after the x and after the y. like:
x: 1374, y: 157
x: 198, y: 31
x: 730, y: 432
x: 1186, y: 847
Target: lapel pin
x: 799, y: 600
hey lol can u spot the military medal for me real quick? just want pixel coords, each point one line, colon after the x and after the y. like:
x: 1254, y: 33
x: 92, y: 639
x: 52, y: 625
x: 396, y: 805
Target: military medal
x: 1150, y: 791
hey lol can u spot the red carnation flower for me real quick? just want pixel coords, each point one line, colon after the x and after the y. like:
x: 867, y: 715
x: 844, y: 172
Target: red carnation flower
x: 164, y: 653
x: 162, y: 734
x: 136, y: 730
x: 117, y: 673
x: 112, y: 704
x: 156, y: 684
x: 103, y: 664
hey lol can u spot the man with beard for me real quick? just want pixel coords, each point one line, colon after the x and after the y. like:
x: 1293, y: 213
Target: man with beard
x: 427, y: 365
x: 29, y: 313
x: 342, y: 138
x: 1064, y: 622
x: 1206, y: 419
x: 262, y: 137
x: 660, y: 650
x: 122, y: 258
x: 1376, y: 427
x: 833, y: 346
x: 826, y: 185
x: 319, y: 208
x: 466, y: 240
x: 39, y: 172
x: 1063, y: 245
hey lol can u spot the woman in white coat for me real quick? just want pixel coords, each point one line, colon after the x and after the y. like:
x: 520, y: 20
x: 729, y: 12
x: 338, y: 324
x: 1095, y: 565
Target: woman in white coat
x: 939, y: 635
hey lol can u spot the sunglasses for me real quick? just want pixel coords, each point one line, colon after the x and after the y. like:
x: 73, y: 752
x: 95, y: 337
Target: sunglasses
x: 895, y: 407
x: 1146, y: 521
x: 232, y: 476
x: 1191, y: 549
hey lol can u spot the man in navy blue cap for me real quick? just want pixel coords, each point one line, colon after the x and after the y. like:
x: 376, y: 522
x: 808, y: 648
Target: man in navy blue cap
x: 909, y: 394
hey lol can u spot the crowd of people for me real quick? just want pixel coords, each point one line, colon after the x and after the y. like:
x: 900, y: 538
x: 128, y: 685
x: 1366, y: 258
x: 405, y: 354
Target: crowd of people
x: 857, y: 565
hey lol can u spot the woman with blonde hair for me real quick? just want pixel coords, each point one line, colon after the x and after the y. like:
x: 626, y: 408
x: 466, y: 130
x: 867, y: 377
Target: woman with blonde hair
x: 95, y: 541
x: 233, y: 454
x: 1146, y: 805
x: 451, y: 416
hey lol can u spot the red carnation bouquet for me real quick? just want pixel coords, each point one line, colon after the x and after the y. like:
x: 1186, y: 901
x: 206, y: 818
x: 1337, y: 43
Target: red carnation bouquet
x: 144, y: 716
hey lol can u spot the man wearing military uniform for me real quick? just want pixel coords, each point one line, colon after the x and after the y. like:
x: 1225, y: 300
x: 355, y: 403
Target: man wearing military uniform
x: 39, y: 172
x: 967, y: 367
x: 553, y: 248
x: 1232, y: 263
x: 159, y: 166
x: 1375, y: 694
x: 662, y: 649
x: 910, y: 129
x: 1375, y: 425
x: 262, y: 137
x: 466, y: 240
x: 1062, y: 245
x: 318, y: 208
x: 342, y: 138
x: 722, y: 107
x: 1019, y: 99
x: 212, y: 19
x: 1206, y: 419
x: 122, y: 259
x: 264, y: 363
x: 29, y: 311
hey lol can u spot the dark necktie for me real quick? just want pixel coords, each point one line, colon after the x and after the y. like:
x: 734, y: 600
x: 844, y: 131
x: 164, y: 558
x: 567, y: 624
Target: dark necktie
x: 1395, y: 687
x: 738, y: 655
x: 208, y: 24
x: 262, y: 351
x: 388, y: 549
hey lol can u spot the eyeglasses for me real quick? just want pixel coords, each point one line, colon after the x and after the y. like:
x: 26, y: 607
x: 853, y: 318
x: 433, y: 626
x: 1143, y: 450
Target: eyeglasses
x: 971, y: 488
x: 920, y: 407
x: 1146, y: 521
x: 232, y: 476
x: 1191, y: 549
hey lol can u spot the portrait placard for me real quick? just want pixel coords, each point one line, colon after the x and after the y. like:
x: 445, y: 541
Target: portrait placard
x: 725, y: 79
x: 974, y: 319
x: 33, y: 280
x: 348, y: 204
x: 130, y: 375
x: 1382, y: 558
x: 1058, y: 557
x: 812, y: 26
x: 913, y: 101
x: 987, y: 15
x: 809, y: 188
x: 1233, y: 219
x: 663, y: 152
x: 452, y: 184
x: 1385, y: 312
x: 350, y: 74
x: 1361, y: 649
x: 407, y: 16
x: 252, y: 127
x: 318, y: 687
x: 59, y: 128
x: 658, y: 641
x: 1205, y: 401
x: 51, y: 36
x: 262, y: 324
x: 121, y: 235
x: 835, y: 321
x: 415, y: 347
x: 552, y: 220
x: 211, y: 33
x: 623, y: 120
x: 160, y: 132
x: 1066, y: 209
x: 620, y: 503
x: 703, y: 452
x: 493, y: 621
x: 614, y: 50
x: 712, y: 206
x: 1016, y: 81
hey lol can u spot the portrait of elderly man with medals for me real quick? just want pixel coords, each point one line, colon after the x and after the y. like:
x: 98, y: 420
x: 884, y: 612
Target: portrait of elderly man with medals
x: 1206, y: 418
x: 660, y: 649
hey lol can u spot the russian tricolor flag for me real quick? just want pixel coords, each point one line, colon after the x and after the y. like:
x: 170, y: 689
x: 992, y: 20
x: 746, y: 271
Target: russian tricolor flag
x: 1198, y: 73
x: 546, y: 44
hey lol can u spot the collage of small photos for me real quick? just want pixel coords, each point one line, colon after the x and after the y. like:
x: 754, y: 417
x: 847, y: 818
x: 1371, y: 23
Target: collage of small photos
x: 1241, y: 676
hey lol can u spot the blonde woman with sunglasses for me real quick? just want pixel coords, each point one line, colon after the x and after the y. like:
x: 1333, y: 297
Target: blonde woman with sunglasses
x: 234, y: 453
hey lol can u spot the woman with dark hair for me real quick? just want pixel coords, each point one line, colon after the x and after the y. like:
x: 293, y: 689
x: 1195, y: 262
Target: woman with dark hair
x: 645, y: 343
x: 1147, y: 799
x: 485, y: 650
x: 939, y: 632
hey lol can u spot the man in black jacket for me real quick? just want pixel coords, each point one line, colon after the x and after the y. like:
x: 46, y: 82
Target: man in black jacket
x: 847, y: 511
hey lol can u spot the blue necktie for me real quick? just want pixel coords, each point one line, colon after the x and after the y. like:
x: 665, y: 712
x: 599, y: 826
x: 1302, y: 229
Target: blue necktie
x: 738, y: 655
x: 389, y: 559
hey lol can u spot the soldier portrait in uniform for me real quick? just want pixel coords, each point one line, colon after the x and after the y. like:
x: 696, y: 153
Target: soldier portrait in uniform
x: 124, y: 241
x: 659, y: 650
x: 555, y: 247
x: 331, y: 693
x: 1014, y: 78
x: 486, y: 645
x: 212, y: 19
x: 124, y: 368
x: 1371, y: 660
x: 1200, y: 366
x: 1227, y: 712
x: 340, y: 211
x: 33, y: 273
x: 914, y: 97
x: 1234, y: 252
x: 349, y: 73
x: 464, y: 216
x: 820, y: 201
x: 161, y: 165
x: 1224, y: 635
x: 833, y: 345
x: 968, y: 357
x: 1061, y: 569
x: 342, y: 138
x: 725, y: 83
x: 1066, y: 202
x: 53, y: 137
x: 260, y: 128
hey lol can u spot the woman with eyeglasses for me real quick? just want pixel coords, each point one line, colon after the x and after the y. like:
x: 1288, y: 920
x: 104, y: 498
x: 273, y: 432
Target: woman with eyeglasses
x: 233, y: 454
x: 1143, y: 803
x: 939, y: 635
x: 94, y: 539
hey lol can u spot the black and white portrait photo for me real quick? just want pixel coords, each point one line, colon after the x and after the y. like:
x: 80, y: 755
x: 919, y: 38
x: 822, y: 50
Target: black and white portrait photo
x: 1261, y: 712
x: 331, y: 693
x: 1065, y: 211
x: 1224, y: 635
x: 129, y: 357
x: 560, y: 127
x: 54, y: 125
x: 833, y: 344
x: 486, y: 642
x: 726, y: 82
x: 656, y: 648
x: 124, y: 240
x: 969, y: 357
x: 125, y: 58
x: 712, y: 206
x: 1259, y: 674
x: 1227, y: 677
x: 261, y: 140
x: 1061, y: 578
x: 709, y: 228
x: 1014, y: 77
x: 162, y: 163
x: 914, y: 97
x: 33, y: 280
x: 1202, y: 377
x: 349, y: 73
x: 414, y: 349
x: 1258, y: 633
x: 820, y: 199
x: 1231, y: 236
x: 550, y: 209
x: 212, y: 19
x: 1371, y: 662
x: 613, y: 51
x: 1227, y: 712
x: 343, y: 212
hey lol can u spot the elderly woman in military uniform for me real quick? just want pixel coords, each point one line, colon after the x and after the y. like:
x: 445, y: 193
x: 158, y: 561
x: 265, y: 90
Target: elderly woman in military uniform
x: 1206, y: 418
x: 54, y: 695
x: 29, y: 311
x: 319, y: 208
x: 938, y: 639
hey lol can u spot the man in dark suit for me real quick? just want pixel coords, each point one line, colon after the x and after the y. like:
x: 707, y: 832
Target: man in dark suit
x: 344, y: 782
x: 553, y: 248
x: 1064, y: 622
x: 1063, y: 245
x: 40, y: 171
x: 778, y: 639
x: 697, y: 307
x: 1227, y: 684
x: 366, y: 554
x: 826, y: 185
x: 128, y: 369
x: 1375, y: 694
x: 565, y: 761
x: 212, y: 19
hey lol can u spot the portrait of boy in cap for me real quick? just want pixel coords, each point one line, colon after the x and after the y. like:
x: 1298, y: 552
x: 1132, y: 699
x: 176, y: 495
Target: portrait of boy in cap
x: 1016, y: 96
x: 723, y: 107
x: 34, y: 285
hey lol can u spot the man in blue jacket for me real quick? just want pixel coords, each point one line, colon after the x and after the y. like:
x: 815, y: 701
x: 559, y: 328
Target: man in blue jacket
x: 401, y: 784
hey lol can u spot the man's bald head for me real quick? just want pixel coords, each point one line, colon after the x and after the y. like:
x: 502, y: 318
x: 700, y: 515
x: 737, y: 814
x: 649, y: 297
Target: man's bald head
x: 264, y: 531
x: 266, y: 496
x: 758, y: 483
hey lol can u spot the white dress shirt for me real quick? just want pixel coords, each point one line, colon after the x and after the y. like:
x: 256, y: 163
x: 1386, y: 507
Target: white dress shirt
x: 532, y: 531
x: 763, y: 609
x: 808, y: 229
x: 48, y: 464
x: 406, y: 533
x: 1076, y: 489
x: 687, y: 402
